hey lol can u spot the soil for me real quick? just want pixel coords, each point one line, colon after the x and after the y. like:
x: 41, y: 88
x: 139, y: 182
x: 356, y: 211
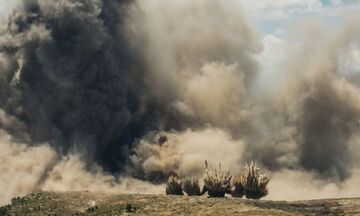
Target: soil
x: 90, y: 203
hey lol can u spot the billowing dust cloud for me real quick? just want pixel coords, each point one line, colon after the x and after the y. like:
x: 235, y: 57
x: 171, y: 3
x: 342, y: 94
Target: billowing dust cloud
x: 115, y: 95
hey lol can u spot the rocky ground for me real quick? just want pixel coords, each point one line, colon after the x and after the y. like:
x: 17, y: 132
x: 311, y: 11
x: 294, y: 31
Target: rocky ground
x: 87, y: 203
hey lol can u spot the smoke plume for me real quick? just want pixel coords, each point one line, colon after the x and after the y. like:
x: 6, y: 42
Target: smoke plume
x: 116, y: 95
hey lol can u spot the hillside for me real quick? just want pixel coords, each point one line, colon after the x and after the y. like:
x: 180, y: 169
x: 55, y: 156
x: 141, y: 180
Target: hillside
x: 88, y: 203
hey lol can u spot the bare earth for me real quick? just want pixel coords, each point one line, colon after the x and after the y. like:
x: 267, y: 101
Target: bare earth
x: 87, y: 203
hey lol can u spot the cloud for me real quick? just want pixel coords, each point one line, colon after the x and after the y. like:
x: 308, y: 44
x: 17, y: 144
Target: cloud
x: 271, y: 15
x: 276, y: 46
x: 274, y: 10
x: 349, y: 61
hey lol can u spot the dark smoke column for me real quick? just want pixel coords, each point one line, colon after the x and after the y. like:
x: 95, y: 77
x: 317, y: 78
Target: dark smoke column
x: 64, y: 73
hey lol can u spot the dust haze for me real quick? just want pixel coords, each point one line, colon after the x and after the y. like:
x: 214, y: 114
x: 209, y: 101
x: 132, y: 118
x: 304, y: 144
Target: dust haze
x: 115, y: 95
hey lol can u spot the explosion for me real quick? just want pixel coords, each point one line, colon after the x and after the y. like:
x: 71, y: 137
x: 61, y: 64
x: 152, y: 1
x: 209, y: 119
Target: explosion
x: 95, y: 94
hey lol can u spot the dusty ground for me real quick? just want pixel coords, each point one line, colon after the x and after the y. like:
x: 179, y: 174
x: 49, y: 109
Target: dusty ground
x: 86, y: 203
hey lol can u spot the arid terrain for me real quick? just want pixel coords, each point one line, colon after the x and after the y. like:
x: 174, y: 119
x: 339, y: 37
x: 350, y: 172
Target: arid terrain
x: 87, y: 203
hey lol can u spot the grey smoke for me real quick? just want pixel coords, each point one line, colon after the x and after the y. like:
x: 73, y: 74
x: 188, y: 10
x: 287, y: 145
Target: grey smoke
x: 324, y: 105
x: 62, y: 75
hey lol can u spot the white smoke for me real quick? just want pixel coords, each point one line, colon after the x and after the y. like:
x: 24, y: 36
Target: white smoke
x: 25, y: 169
x: 201, y: 64
x: 22, y: 167
x: 185, y: 153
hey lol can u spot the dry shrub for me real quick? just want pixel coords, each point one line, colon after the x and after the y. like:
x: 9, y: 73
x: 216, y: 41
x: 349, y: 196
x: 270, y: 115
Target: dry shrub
x: 173, y: 186
x: 217, y: 182
x: 237, y: 189
x: 190, y: 186
x: 253, y: 182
